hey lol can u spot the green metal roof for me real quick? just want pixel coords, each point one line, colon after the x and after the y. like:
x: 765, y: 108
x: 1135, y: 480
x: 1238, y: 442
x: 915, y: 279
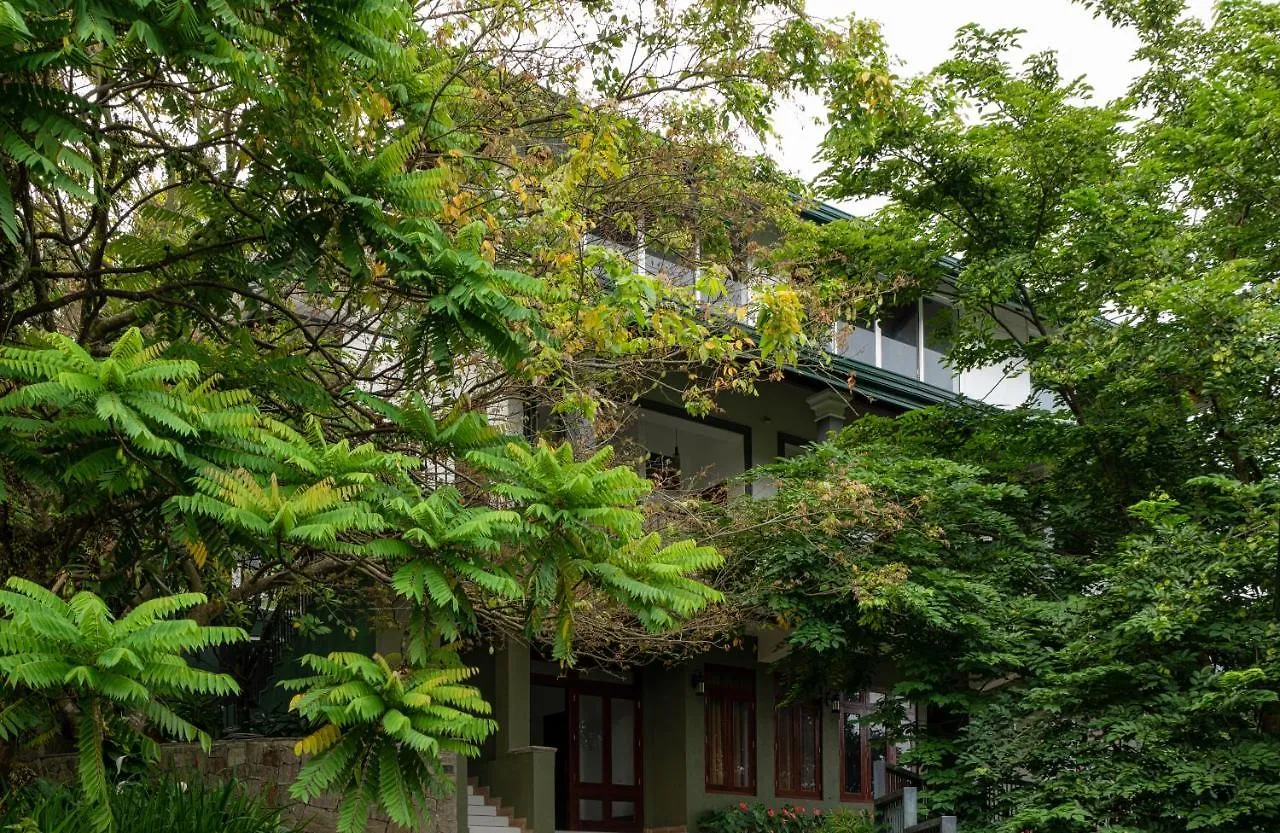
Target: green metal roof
x: 877, y: 384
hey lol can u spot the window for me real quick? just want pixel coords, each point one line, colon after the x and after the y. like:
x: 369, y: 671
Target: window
x: 730, y: 709
x: 910, y: 340
x: 937, y: 323
x: 857, y: 341
x: 861, y: 744
x: 900, y: 340
x: 797, y: 739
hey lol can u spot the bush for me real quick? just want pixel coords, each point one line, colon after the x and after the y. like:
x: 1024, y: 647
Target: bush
x: 758, y: 818
x: 163, y: 804
x: 42, y: 807
x: 848, y: 821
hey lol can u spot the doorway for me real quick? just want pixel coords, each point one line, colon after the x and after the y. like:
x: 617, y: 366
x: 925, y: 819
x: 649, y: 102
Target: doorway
x: 592, y: 719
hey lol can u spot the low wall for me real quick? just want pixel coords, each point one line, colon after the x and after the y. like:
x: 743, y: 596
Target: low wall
x: 265, y: 767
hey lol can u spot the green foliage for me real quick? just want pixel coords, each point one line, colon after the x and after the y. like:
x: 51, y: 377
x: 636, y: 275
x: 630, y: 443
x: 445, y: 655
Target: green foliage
x: 42, y: 807
x: 193, y: 805
x: 108, y: 673
x: 381, y: 732
x: 1103, y: 655
x: 848, y: 821
x: 866, y: 549
x: 165, y: 803
x: 238, y: 481
x: 761, y: 818
x: 585, y: 532
x: 264, y: 269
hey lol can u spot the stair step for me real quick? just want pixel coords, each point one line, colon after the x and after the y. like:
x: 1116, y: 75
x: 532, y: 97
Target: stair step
x: 477, y: 810
x: 487, y: 821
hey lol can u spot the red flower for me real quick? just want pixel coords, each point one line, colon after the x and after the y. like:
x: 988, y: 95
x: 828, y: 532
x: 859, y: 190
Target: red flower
x: 742, y: 805
x: 817, y: 811
x: 770, y: 812
x: 799, y: 809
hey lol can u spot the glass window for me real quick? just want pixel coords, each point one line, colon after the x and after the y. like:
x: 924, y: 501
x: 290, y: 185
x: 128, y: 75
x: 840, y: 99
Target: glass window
x: 798, y: 750
x: 853, y: 777
x: 900, y: 340
x: 664, y: 470
x: 862, y: 744
x: 937, y: 323
x: 730, y: 712
x: 856, y: 341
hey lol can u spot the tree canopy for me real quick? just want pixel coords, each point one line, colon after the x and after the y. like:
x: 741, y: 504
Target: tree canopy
x: 1086, y: 597
x: 266, y: 273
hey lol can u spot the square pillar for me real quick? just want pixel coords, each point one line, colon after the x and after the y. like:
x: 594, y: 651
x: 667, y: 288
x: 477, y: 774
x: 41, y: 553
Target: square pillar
x: 829, y: 409
x: 511, y: 696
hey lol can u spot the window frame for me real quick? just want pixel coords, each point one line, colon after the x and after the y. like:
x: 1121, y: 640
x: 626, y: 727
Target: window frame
x: 793, y: 713
x: 730, y: 695
x: 860, y: 706
x: 921, y: 336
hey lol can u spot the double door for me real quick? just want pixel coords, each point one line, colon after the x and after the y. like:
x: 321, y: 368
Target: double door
x: 602, y: 769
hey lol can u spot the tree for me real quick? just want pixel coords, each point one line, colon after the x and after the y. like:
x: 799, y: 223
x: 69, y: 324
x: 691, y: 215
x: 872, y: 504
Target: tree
x: 264, y: 272
x: 109, y: 677
x: 1119, y: 651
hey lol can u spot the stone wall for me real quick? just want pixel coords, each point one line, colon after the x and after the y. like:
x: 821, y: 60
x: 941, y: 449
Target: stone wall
x: 265, y: 767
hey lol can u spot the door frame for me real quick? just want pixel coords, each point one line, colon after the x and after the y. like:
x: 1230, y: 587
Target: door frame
x: 605, y: 792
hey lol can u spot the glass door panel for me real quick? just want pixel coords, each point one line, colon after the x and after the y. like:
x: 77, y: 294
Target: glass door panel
x: 591, y: 739
x: 622, y: 741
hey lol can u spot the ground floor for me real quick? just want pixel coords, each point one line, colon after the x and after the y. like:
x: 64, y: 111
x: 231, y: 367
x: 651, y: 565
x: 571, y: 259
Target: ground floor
x: 655, y: 747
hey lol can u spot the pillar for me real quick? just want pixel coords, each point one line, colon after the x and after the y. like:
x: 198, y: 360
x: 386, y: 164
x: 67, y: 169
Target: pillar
x: 829, y: 409
x: 511, y: 696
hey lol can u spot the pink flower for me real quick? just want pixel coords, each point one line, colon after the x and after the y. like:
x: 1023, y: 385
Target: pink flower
x: 771, y: 812
x: 742, y: 805
x: 799, y: 809
x: 817, y: 811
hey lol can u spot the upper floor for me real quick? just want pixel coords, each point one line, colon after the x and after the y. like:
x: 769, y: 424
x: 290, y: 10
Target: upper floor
x: 900, y: 357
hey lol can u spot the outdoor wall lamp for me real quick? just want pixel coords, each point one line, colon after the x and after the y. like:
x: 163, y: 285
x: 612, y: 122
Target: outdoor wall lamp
x: 834, y: 703
x: 699, y: 683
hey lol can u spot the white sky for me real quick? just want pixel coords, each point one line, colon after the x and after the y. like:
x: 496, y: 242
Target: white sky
x: 920, y: 33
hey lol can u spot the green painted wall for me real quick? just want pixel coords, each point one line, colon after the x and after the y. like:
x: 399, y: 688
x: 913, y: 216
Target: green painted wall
x: 697, y: 799
x: 663, y: 708
x: 673, y: 731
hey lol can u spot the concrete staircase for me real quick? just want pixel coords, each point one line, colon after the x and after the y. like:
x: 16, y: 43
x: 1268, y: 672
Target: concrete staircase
x: 485, y: 813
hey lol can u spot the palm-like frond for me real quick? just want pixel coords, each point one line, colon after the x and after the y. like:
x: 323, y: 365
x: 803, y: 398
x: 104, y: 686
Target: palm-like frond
x: 55, y: 650
x: 380, y: 731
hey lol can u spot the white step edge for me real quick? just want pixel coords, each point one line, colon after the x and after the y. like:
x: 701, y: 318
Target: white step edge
x: 476, y: 820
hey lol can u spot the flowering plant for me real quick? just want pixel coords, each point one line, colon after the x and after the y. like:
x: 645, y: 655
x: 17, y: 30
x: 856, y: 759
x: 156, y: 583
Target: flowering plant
x: 760, y: 818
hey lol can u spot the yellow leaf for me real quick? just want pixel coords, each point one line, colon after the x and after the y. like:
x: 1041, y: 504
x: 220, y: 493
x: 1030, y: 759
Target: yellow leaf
x: 198, y: 551
x: 318, y: 741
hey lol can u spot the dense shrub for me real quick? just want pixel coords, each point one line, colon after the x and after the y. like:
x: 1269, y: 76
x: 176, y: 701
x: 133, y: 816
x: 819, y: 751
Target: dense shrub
x: 759, y: 818
x: 164, y: 804
x: 848, y: 821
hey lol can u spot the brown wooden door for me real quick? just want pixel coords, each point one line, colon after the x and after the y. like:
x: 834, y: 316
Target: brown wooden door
x: 606, y: 790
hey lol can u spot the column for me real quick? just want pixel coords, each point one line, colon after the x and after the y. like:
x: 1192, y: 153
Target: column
x: 829, y: 409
